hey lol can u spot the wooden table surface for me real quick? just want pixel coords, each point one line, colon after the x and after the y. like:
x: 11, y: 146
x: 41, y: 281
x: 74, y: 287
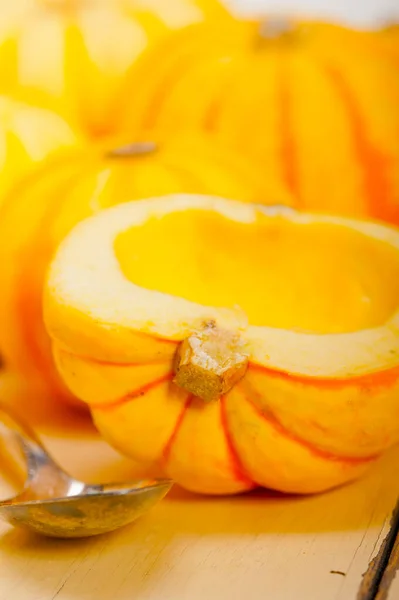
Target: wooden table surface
x: 253, y: 547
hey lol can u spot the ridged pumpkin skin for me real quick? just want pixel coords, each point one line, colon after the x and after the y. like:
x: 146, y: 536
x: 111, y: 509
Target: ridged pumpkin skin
x: 28, y: 135
x: 72, y: 56
x: 319, y: 400
x: 42, y: 208
x: 315, y: 104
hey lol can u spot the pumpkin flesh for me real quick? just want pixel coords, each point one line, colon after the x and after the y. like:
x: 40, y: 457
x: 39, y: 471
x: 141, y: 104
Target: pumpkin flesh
x: 318, y: 402
x: 272, y: 271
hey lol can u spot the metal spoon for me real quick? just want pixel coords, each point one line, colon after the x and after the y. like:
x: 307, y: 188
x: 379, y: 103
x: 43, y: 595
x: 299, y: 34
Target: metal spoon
x: 55, y: 504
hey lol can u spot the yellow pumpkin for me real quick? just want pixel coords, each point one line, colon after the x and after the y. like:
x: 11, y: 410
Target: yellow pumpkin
x: 314, y: 104
x: 72, y: 56
x: 28, y: 135
x: 42, y: 208
x: 206, y: 337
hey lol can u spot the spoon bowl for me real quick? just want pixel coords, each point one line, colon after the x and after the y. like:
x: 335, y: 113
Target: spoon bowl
x: 55, y: 504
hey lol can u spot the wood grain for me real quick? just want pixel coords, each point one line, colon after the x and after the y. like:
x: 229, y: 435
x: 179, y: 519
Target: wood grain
x: 256, y: 546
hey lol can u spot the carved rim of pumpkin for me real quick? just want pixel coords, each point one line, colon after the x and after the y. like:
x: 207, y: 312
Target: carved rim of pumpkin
x: 90, y: 295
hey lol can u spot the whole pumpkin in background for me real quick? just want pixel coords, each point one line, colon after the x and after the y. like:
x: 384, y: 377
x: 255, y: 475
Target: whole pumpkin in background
x: 72, y: 55
x: 315, y: 104
x: 206, y: 338
x: 42, y: 208
x: 27, y: 136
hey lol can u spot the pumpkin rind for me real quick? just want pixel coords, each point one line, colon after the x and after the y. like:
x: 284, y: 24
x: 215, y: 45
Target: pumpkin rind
x: 311, y: 412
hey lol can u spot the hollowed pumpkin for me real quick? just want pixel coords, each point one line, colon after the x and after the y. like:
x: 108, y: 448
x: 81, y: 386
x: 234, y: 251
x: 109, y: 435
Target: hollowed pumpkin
x: 230, y: 345
x: 42, y: 208
x: 315, y: 104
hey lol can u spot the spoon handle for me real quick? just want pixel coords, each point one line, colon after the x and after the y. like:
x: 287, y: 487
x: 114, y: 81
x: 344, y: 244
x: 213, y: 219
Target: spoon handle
x: 31, y: 446
x: 9, y: 420
x: 44, y: 478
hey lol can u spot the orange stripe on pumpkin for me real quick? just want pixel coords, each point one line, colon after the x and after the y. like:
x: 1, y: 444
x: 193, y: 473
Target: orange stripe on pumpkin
x: 285, y: 130
x: 384, y: 378
x: 235, y: 461
x: 179, y: 422
x: 374, y: 163
x: 141, y: 391
x: 213, y: 110
x: 289, y: 435
x: 157, y: 101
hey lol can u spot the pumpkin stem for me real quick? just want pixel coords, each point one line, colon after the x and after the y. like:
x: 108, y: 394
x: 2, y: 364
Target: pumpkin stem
x: 389, y: 25
x: 210, y: 362
x: 276, y: 28
x: 135, y: 149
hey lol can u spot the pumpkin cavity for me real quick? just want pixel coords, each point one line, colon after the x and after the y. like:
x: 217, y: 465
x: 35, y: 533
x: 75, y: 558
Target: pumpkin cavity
x: 313, y: 277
